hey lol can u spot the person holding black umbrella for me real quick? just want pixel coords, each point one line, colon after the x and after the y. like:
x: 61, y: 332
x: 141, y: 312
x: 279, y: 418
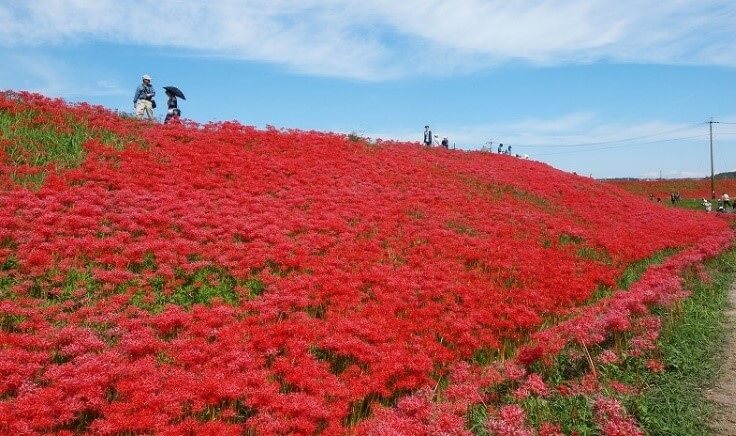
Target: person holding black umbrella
x: 173, y: 107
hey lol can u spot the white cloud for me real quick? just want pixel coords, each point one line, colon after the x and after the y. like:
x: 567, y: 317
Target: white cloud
x: 51, y: 77
x: 378, y: 39
x: 673, y: 174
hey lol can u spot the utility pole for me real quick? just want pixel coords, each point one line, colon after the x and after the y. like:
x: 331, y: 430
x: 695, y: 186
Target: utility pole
x: 712, y: 178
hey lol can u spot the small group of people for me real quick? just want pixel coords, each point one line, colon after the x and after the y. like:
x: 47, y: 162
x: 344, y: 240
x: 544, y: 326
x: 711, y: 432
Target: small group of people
x: 502, y: 151
x: 144, y: 103
x: 429, y: 139
x: 675, y: 197
x: 723, y: 202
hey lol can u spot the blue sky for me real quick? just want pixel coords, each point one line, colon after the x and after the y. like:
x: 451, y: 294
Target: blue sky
x: 588, y: 86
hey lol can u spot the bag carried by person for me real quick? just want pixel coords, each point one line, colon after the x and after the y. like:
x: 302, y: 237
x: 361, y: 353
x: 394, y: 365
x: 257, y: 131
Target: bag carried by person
x: 153, y: 103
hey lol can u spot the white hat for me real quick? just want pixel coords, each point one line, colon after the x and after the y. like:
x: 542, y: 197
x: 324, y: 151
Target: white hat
x: 146, y: 77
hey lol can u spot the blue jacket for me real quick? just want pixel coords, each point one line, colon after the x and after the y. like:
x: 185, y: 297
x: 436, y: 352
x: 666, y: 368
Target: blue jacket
x: 141, y: 91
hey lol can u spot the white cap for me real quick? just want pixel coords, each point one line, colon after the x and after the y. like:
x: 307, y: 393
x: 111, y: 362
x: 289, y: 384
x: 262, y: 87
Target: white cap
x: 146, y: 77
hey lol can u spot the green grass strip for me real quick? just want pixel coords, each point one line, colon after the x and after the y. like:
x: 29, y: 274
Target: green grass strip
x: 692, y: 342
x: 35, y: 142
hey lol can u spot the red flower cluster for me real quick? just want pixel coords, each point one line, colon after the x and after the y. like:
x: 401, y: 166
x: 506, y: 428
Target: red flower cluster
x: 220, y: 279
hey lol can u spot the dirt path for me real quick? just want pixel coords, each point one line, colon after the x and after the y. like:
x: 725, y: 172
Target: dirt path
x: 724, y: 392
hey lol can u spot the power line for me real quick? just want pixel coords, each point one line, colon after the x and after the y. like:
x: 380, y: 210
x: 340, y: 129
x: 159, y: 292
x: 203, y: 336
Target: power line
x: 622, y: 141
x: 635, y: 138
x: 623, y: 145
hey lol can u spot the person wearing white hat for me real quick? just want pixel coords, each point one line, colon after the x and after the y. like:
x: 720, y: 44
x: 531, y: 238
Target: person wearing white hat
x: 143, y: 99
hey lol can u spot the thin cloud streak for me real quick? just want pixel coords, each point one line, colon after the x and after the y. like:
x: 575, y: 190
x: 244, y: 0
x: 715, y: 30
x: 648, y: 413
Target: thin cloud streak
x: 54, y: 78
x: 581, y: 130
x: 384, y: 39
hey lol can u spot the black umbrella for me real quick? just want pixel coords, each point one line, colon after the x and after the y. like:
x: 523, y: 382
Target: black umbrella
x: 176, y: 91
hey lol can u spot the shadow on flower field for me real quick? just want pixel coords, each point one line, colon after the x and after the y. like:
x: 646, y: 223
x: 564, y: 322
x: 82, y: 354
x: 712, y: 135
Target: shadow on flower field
x: 221, y: 279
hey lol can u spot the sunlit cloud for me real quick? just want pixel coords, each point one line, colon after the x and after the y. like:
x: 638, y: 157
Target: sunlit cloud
x: 383, y: 39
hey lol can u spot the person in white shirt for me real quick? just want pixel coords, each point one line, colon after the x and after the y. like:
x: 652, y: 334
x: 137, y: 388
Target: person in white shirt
x: 726, y: 200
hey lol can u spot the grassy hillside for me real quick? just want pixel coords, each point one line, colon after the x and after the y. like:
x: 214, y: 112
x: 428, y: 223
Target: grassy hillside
x: 224, y: 279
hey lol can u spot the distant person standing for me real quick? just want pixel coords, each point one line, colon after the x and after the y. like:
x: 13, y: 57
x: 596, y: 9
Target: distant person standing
x: 508, y: 151
x: 445, y: 143
x: 500, y: 148
x: 427, y: 136
x: 726, y: 200
x: 143, y: 98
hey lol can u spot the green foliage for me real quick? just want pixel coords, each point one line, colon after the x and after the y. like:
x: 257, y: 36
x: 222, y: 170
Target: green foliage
x: 632, y: 273
x: 568, y: 239
x: 81, y: 422
x: 354, y: 137
x: 31, y: 181
x: 498, y: 192
x: 255, y: 286
x: 201, y: 286
x: 484, y: 356
x: 148, y: 263
x: 476, y: 420
x: 6, y: 285
x: 595, y: 254
x: 339, y: 363
x: 9, y: 263
x: 363, y: 409
x: 673, y: 402
x: 574, y: 413
x: 38, y: 143
x: 31, y: 140
x: 56, y: 286
x: 9, y: 323
x: 692, y: 204
x: 461, y: 228
x: 582, y: 250
x: 635, y: 270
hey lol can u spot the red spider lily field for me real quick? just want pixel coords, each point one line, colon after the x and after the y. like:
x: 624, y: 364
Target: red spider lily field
x: 688, y: 188
x: 221, y: 279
